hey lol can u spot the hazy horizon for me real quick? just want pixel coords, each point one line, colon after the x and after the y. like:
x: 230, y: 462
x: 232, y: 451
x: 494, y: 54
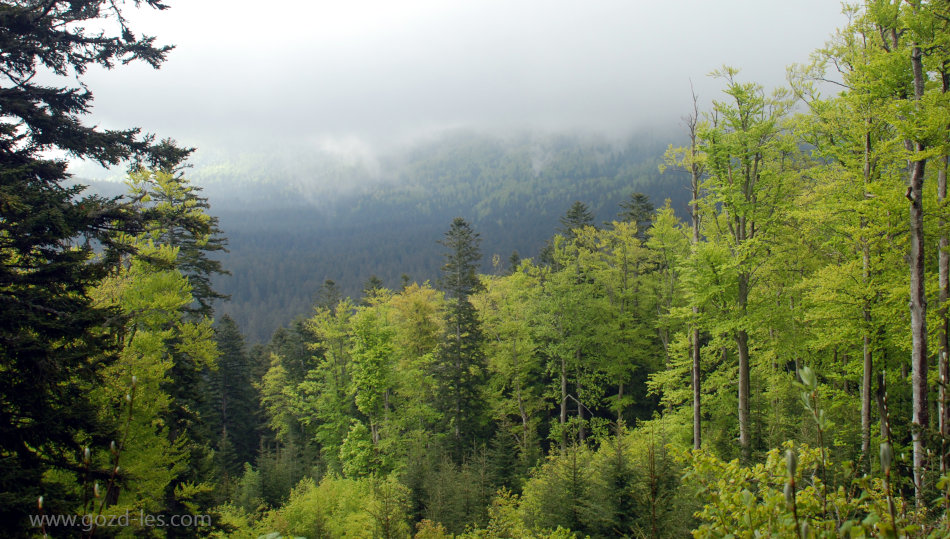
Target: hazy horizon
x: 369, y: 76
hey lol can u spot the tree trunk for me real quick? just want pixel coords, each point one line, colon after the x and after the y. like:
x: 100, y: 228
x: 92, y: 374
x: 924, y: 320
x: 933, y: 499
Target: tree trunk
x: 620, y: 405
x: 563, y: 404
x: 866, y: 402
x: 943, y: 337
x: 742, y: 344
x: 918, y: 299
x: 581, y: 432
x: 697, y: 401
x: 868, y: 367
x: 695, y: 174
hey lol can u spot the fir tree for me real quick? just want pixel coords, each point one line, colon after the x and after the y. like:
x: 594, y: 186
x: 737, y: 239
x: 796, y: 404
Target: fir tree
x: 50, y: 345
x: 178, y: 215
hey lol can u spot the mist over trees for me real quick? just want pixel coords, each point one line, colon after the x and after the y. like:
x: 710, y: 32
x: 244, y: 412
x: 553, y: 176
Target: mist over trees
x: 742, y: 333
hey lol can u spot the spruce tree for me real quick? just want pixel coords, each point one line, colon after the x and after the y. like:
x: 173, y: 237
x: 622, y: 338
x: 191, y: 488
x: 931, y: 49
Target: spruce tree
x: 232, y: 405
x: 577, y: 216
x: 460, y: 369
x: 639, y: 210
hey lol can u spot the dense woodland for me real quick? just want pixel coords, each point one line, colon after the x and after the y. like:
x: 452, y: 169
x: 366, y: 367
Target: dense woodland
x: 769, y: 361
x: 358, y: 218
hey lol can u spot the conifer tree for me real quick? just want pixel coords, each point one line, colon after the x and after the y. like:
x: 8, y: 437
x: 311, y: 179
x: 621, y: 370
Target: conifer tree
x: 638, y: 210
x: 49, y: 346
x: 577, y: 216
x: 178, y: 215
x: 460, y: 368
x: 232, y: 404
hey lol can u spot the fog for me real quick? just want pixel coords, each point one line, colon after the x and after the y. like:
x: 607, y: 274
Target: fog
x: 360, y: 75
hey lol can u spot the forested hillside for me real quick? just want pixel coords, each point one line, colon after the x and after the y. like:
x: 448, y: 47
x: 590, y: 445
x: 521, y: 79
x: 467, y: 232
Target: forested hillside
x: 341, y: 218
x: 767, y: 357
x: 513, y: 191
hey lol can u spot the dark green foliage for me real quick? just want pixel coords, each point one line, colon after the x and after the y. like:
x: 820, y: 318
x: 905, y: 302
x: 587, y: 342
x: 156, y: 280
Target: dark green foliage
x: 50, y: 337
x: 577, y: 216
x: 232, y: 402
x: 372, y: 286
x: 458, y: 495
x: 50, y: 342
x: 460, y: 370
x: 639, y: 210
x: 328, y: 295
x: 513, y: 261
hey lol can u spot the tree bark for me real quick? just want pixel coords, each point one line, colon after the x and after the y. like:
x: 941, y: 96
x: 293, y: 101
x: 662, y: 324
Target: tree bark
x: 918, y: 299
x: 742, y: 344
x: 581, y: 432
x: 695, y: 174
x: 868, y: 367
x: 943, y: 337
x: 563, y: 404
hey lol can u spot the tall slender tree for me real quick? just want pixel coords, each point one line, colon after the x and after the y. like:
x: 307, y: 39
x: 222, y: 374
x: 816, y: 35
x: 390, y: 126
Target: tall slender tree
x: 577, y: 216
x: 745, y: 150
x: 693, y: 161
x: 232, y: 403
x: 460, y: 369
x: 638, y: 210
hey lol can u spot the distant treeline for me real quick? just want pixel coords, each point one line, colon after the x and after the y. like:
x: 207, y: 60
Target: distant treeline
x: 512, y: 191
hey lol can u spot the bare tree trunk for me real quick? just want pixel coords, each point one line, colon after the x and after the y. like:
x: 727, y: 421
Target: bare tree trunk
x: 918, y: 298
x: 695, y: 172
x: 697, y: 393
x: 943, y: 337
x: 868, y: 367
x: 525, y: 430
x: 581, y: 432
x: 742, y: 344
x: 866, y: 400
x: 563, y: 404
x: 620, y: 405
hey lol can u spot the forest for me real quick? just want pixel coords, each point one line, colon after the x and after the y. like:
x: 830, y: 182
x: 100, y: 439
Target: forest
x: 768, y: 359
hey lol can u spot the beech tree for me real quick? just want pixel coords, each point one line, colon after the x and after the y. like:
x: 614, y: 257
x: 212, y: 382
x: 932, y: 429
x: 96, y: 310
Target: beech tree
x: 745, y: 148
x: 693, y: 161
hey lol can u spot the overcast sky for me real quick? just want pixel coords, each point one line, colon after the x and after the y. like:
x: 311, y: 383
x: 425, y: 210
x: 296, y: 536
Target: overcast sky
x: 349, y: 72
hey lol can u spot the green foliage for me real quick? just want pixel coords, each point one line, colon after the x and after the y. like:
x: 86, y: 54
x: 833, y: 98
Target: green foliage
x: 52, y: 343
x: 757, y: 500
x: 176, y: 214
x: 629, y: 486
x: 500, y: 406
x: 148, y: 460
x: 231, y: 402
x: 337, y: 507
x: 356, y: 452
x: 460, y: 370
x: 249, y: 491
